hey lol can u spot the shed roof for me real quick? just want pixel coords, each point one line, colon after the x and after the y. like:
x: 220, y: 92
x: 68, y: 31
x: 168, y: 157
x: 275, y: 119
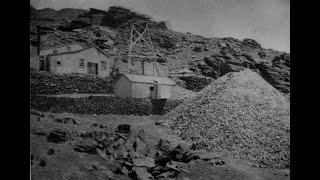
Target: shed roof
x: 149, y: 79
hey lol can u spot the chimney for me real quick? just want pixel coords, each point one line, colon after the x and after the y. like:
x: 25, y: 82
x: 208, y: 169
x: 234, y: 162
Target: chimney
x: 39, y: 40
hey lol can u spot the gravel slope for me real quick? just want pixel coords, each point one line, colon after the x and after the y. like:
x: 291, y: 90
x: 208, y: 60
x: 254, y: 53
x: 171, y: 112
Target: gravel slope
x: 239, y: 112
x: 180, y: 93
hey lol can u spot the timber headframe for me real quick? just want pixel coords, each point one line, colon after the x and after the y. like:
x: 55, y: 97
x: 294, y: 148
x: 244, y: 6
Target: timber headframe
x: 136, y: 45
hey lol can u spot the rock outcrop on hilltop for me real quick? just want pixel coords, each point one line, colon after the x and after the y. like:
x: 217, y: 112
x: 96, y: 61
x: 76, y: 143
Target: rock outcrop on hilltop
x: 276, y: 71
x: 33, y: 12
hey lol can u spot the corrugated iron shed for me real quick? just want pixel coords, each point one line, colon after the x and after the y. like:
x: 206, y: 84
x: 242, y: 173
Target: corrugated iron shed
x: 149, y: 79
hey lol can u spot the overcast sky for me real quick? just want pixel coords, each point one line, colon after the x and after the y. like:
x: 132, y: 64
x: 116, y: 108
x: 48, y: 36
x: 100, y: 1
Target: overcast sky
x: 266, y: 21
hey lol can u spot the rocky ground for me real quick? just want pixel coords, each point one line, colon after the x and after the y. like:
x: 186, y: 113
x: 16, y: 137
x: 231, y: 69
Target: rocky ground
x: 75, y: 138
x: 105, y: 137
x: 77, y: 146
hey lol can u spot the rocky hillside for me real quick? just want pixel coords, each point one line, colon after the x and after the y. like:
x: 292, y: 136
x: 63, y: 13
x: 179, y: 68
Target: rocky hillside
x: 211, y: 57
x: 48, y: 15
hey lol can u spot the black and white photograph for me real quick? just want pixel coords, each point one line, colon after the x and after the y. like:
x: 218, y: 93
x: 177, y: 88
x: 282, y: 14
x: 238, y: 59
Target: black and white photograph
x: 159, y: 89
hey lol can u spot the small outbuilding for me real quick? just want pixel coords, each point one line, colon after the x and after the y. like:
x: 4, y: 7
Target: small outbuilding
x: 142, y: 86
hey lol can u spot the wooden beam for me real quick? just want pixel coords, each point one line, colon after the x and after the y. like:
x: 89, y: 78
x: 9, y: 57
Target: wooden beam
x: 154, y: 63
x: 151, y: 57
x: 142, y: 66
x: 136, y: 40
x: 129, y: 60
x: 142, y: 62
x: 157, y: 68
x: 153, y: 68
x: 117, y: 58
x: 141, y: 37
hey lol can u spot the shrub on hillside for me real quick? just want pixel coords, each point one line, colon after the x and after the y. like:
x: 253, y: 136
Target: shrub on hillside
x: 117, y: 16
x: 195, y: 83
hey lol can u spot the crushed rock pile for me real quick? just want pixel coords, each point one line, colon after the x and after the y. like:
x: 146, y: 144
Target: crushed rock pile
x: 182, y: 94
x: 239, y: 112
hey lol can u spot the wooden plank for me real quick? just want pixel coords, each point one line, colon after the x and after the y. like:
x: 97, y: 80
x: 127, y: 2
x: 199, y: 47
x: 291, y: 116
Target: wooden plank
x: 140, y: 37
x: 151, y: 57
x: 129, y: 60
x: 152, y: 47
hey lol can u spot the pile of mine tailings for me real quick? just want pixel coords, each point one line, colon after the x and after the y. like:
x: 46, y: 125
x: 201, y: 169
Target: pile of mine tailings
x: 239, y: 113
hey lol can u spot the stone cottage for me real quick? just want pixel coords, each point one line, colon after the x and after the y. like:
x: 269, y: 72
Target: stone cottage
x: 75, y: 58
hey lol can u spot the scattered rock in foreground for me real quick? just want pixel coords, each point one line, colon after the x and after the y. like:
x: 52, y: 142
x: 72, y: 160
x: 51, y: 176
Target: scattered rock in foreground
x: 132, y: 156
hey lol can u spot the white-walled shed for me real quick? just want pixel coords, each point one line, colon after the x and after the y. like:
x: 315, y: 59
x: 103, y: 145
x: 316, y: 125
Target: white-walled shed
x: 142, y: 86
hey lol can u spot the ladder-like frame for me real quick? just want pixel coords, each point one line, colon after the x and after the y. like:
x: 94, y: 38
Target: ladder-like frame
x: 138, y: 41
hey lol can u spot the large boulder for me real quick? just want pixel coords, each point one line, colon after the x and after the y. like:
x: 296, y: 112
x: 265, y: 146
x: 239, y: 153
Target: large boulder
x: 117, y: 16
x: 282, y: 59
x: 262, y: 54
x: 251, y: 42
x: 76, y: 24
x: 195, y: 83
x: 219, y: 65
x: 278, y: 77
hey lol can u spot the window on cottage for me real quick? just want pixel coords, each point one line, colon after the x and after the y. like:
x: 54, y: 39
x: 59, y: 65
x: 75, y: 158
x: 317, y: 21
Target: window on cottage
x: 59, y: 63
x: 103, y: 65
x: 41, y: 57
x: 151, y: 88
x: 81, y: 63
x: 55, y: 51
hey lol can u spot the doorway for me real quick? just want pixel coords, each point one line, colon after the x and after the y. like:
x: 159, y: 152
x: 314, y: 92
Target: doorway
x: 92, y: 68
x: 154, y: 90
x: 41, y: 68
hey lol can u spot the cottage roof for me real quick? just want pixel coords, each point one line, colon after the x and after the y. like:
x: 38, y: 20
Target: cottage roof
x: 63, y: 45
x: 149, y: 79
x: 73, y: 52
x: 33, y: 49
